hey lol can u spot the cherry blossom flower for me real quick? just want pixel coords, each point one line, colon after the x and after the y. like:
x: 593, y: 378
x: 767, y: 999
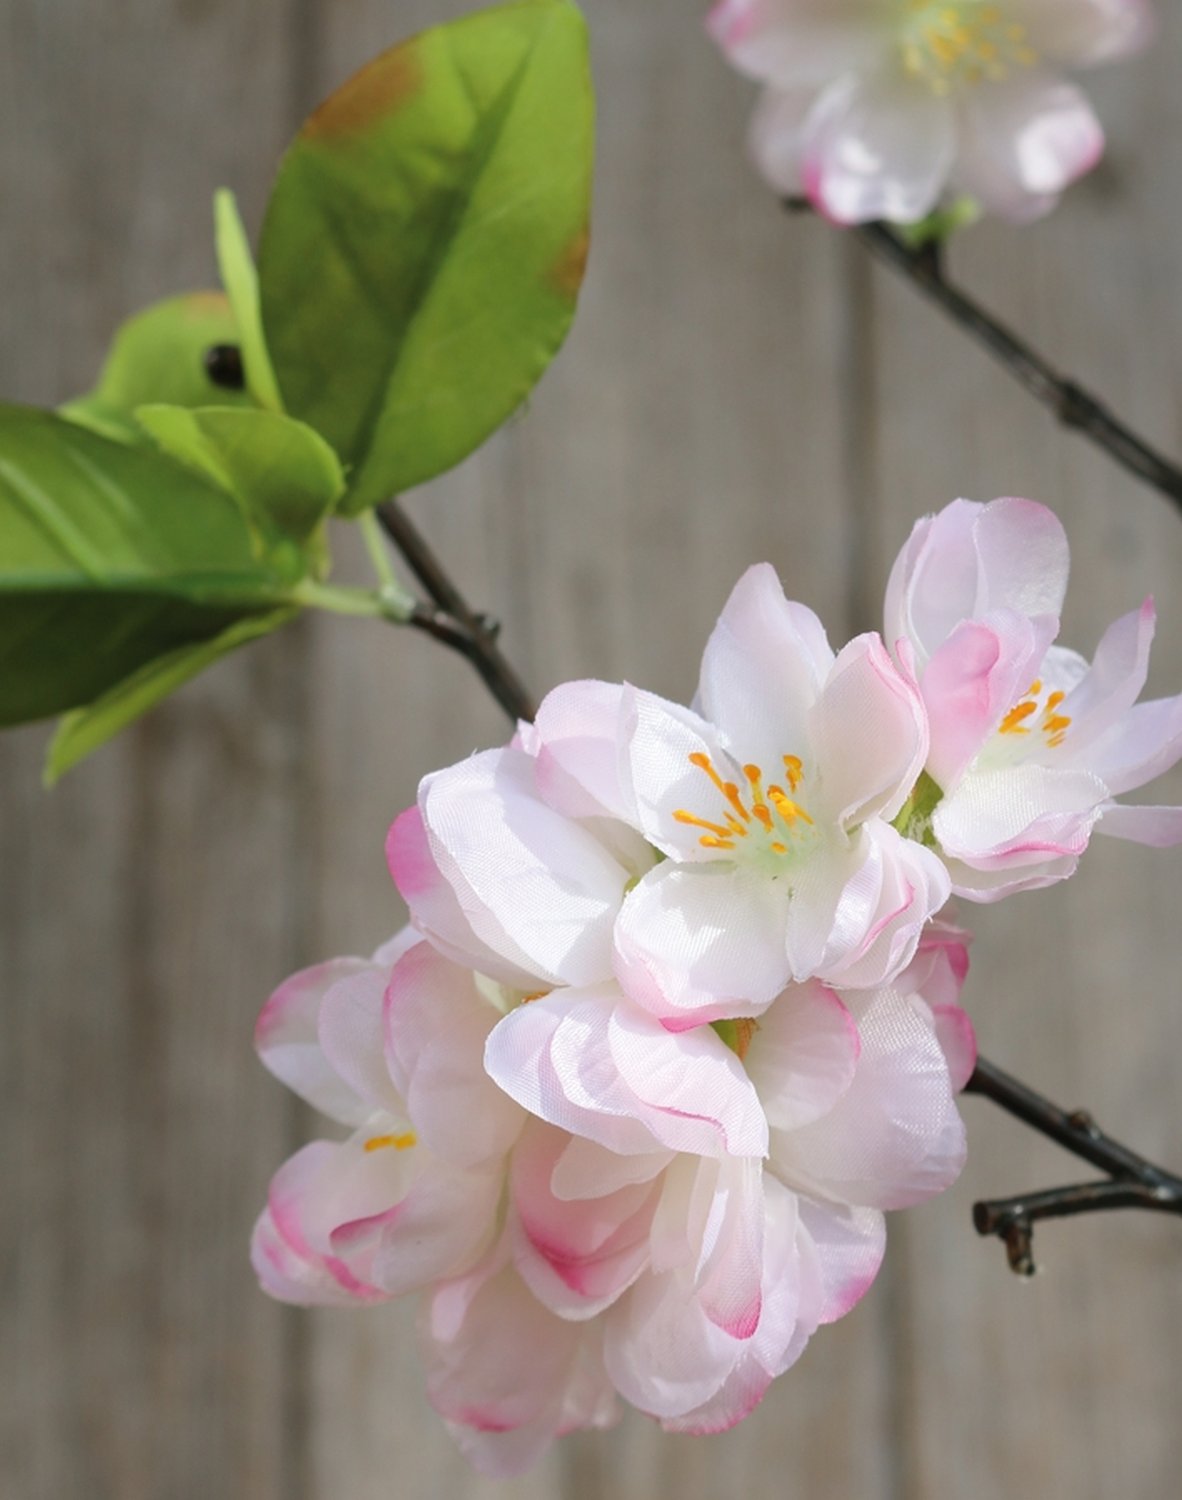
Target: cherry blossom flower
x: 877, y: 108
x: 711, y: 1273
x: 1030, y: 744
x: 771, y: 807
x: 413, y: 1193
x: 558, y: 1273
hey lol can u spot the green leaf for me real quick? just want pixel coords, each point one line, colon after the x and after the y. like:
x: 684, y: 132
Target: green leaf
x: 84, y: 730
x: 241, y: 281
x: 285, y: 476
x: 941, y: 224
x: 159, y: 355
x: 425, y: 243
x: 111, y: 556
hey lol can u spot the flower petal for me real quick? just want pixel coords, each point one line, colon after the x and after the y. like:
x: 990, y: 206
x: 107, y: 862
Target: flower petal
x: 436, y: 1025
x: 848, y: 1245
x: 578, y: 750
x: 698, y: 942
x: 522, y: 871
x: 1081, y: 33
x: 763, y: 666
x: 802, y: 1056
x: 1024, y: 139
x: 1159, y: 827
x: 895, y: 1137
x: 288, y: 1042
x: 869, y: 735
x: 879, y: 147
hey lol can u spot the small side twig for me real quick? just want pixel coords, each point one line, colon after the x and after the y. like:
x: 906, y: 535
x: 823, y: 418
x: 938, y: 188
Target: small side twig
x: 1132, y: 1181
x: 453, y: 621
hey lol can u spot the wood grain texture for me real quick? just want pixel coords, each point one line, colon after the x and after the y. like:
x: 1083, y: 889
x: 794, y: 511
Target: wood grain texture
x: 739, y: 386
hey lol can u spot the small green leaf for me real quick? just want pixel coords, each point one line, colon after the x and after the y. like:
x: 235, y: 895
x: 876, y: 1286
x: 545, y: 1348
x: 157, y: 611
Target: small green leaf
x: 241, y: 281
x: 112, y: 556
x: 914, y: 820
x: 159, y: 355
x: 941, y: 224
x: 285, y: 476
x: 423, y: 250
x: 85, y: 729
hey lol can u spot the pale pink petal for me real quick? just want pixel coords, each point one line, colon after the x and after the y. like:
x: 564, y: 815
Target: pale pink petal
x: 777, y: 136
x: 813, y: 40
x: 848, y: 1245
x: 662, y: 1352
x: 895, y: 1137
x: 868, y: 731
x: 576, y: 1257
x: 660, y: 738
x: 393, y: 948
x: 764, y: 664
x: 698, y: 942
x: 578, y: 749
x: 974, y: 679
x: 509, y: 1376
x: 521, y: 870
x: 588, y: 1099
x: 436, y: 910
x: 1159, y: 827
x: 350, y: 1031
x: 290, y: 1266
x: 694, y: 1091
x: 607, y: 1070
x: 1112, y: 685
x: 1081, y: 33
x: 587, y: 1170
x: 879, y: 147
x: 970, y: 560
x: 1145, y: 743
x: 1020, y: 815
x: 442, y: 1226
x: 958, y: 1042
x: 802, y: 1056
x: 286, y: 1037
x: 436, y: 1025
x: 1023, y: 140
x: 730, y: 1278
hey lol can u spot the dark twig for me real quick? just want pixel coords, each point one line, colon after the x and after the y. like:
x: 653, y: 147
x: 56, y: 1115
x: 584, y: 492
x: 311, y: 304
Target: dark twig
x: 453, y: 621
x: 1132, y: 1182
x: 1074, y: 406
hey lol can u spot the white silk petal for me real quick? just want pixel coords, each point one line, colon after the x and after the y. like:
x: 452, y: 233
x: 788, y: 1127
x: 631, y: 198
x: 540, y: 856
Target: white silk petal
x: 803, y: 1055
x: 288, y: 1042
x: 698, y: 942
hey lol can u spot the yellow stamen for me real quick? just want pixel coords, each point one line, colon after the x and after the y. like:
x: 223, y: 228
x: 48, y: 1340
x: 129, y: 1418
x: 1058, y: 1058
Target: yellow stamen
x: 692, y: 819
x: 399, y: 1142
x: 794, y: 770
x: 1012, y: 723
x: 707, y: 841
x: 745, y: 1029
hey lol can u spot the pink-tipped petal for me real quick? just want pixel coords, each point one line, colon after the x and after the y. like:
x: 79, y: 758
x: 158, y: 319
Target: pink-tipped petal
x: 287, y: 1039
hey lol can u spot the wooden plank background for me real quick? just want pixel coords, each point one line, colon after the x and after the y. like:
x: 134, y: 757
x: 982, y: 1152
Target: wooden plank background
x: 739, y: 386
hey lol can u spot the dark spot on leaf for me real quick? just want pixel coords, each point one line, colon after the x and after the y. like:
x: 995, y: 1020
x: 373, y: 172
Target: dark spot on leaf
x: 223, y: 365
x: 378, y: 91
x: 567, y: 272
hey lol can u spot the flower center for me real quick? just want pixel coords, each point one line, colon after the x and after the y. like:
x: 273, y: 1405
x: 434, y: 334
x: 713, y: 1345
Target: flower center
x: 962, y: 43
x: 1033, y: 716
x: 398, y: 1142
x: 770, y: 817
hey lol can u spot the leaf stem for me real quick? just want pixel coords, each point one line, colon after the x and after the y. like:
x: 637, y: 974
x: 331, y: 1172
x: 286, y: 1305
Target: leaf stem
x: 368, y: 603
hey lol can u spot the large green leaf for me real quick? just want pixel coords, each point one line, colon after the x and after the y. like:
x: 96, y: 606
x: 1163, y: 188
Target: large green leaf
x: 159, y: 355
x: 111, y: 556
x: 285, y: 476
x: 87, y: 728
x: 425, y: 243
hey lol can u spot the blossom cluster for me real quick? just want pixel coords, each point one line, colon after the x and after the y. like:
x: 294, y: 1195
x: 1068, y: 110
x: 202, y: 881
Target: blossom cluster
x: 878, y: 109
x: 677, y: 1016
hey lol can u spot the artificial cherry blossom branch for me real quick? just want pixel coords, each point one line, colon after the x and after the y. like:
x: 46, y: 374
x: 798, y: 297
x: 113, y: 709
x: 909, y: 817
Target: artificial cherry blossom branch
x: 453, y: 621
x: 1074, y: 406
x: 1132, y: 1182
